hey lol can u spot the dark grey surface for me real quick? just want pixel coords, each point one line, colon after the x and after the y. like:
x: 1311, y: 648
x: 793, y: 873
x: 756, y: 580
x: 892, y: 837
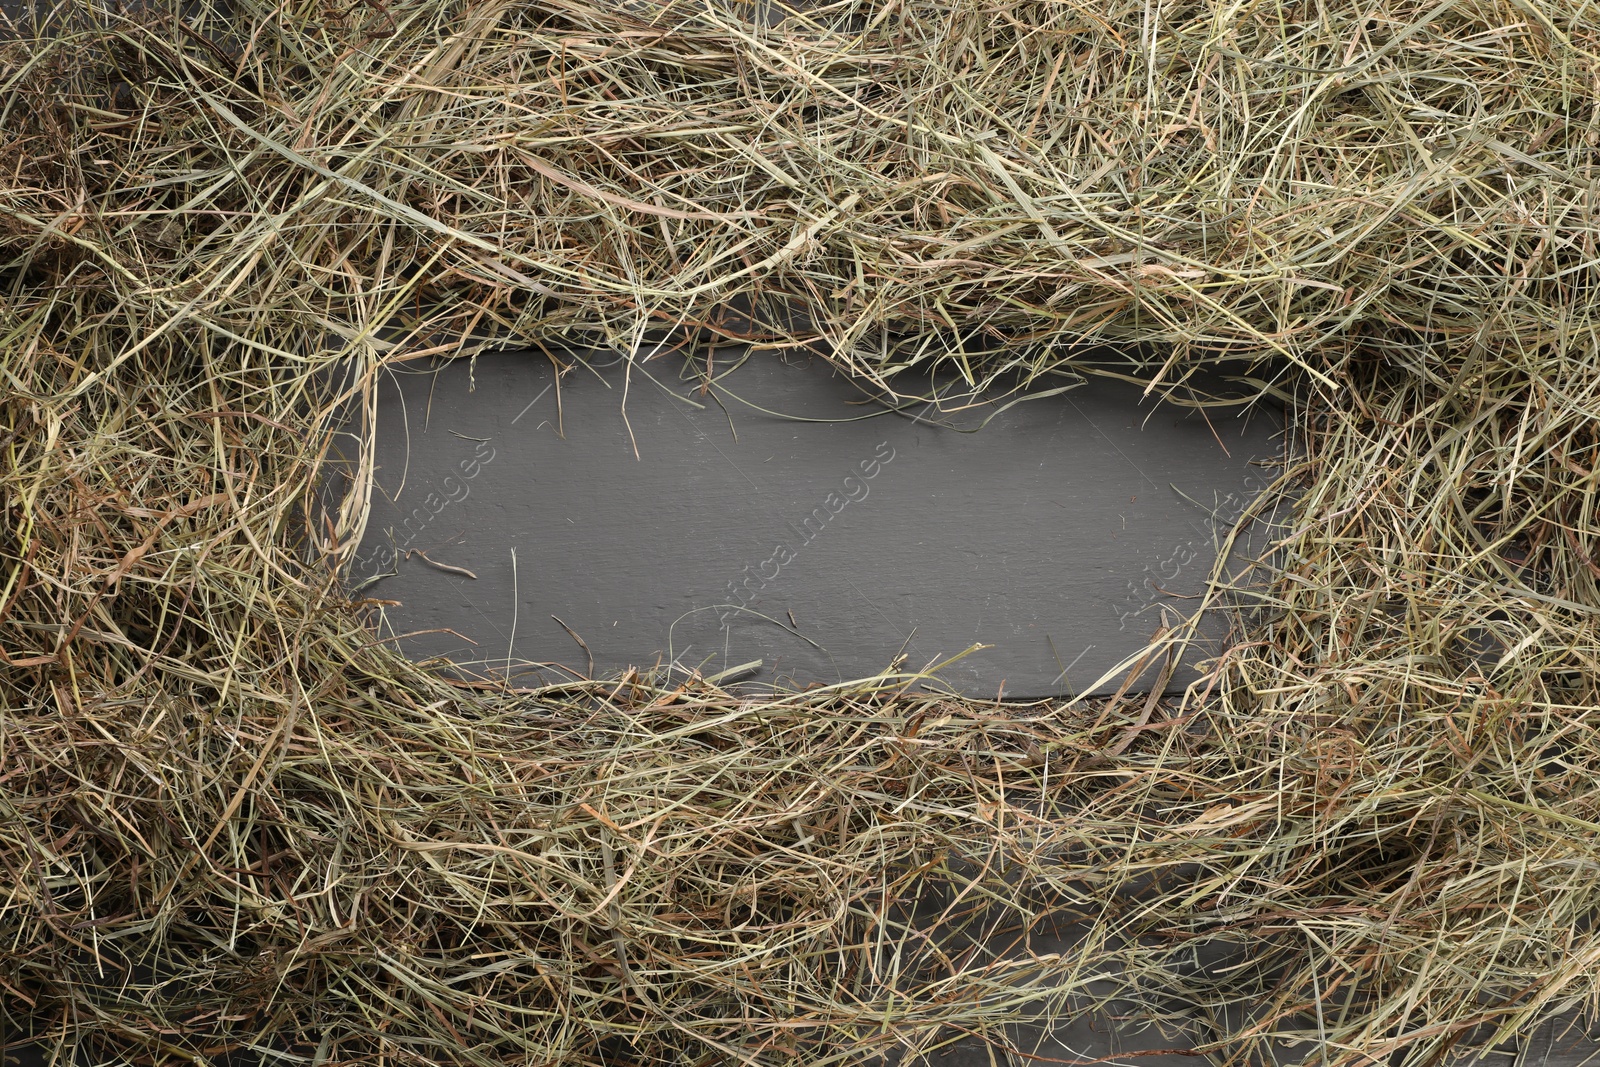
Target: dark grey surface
x: 664, y: 526
x: 1081, y: 1040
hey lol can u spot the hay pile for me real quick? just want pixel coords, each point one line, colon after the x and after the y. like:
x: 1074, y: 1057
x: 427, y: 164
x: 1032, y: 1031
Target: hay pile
x: 228, y: 822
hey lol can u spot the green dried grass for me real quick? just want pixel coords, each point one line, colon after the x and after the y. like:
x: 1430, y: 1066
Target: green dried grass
x: 228, y: 819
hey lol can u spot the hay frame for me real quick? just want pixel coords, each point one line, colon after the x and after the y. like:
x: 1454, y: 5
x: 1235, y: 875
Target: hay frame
x: 233, y: 825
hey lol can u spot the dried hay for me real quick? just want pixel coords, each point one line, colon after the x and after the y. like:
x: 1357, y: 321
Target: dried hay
x: 230, y: 822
